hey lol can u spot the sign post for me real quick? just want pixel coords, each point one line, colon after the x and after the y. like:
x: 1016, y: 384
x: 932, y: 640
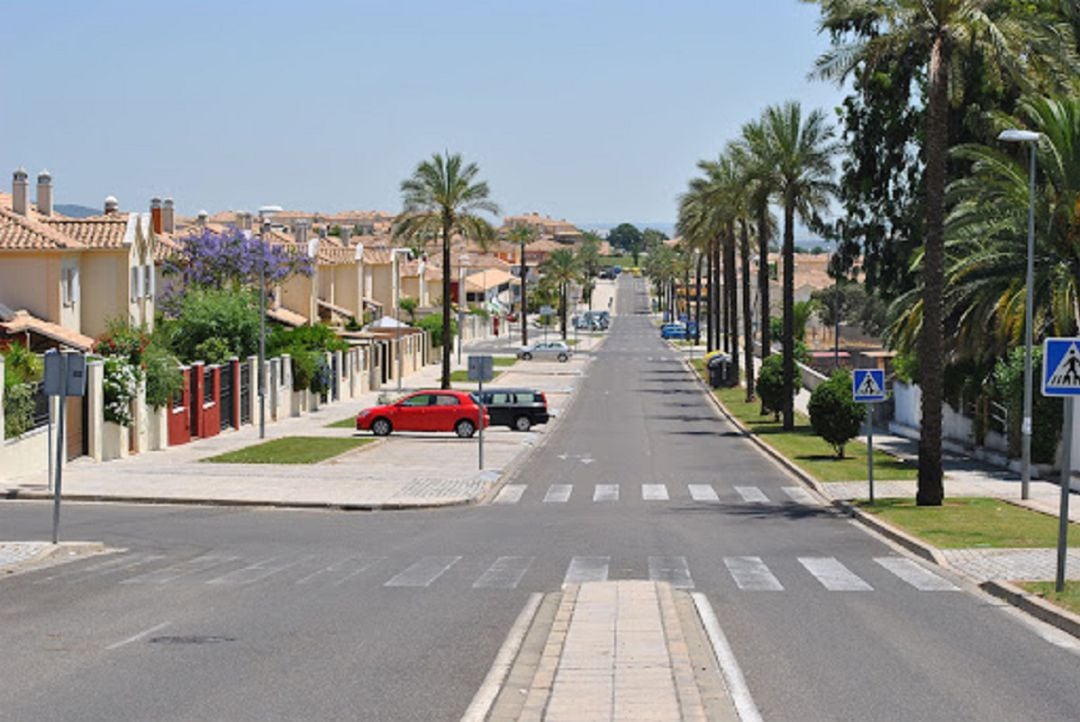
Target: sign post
x: 868, y: 387
x: 546, y: 312
x: 481, y: 369
x: 1061, y: 377
x: 65, y: 375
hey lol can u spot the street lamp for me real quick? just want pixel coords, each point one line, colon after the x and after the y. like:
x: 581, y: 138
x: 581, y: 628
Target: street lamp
x: 1015, y: 135
x: 463, y: 297
x: 264, y: 232
x: 397, y: 307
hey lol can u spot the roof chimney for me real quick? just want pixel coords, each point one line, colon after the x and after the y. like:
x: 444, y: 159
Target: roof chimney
x: 202, y: 217
x: 301, y: 231
x: 156, y: 222
x: 168, y: 216
x: 243, y: 220
x: 346, y: 235
x: 111, y: 205
x: 44, y: 193
x: 18, y: 191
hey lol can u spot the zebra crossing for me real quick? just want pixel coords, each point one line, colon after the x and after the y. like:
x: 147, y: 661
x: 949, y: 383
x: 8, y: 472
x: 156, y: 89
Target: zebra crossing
x: 702, y: 493
x: 214, y: 571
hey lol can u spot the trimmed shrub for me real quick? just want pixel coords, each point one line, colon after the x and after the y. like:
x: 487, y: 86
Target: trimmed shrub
x: 119, y: 386
x: 433, y: 325
x: 770, y: 385
x: 834, y: 415
x: 164, y: 380
x: 18, y: 409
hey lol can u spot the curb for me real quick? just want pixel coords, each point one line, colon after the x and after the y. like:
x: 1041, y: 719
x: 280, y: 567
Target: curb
x: 1035, y: 606
x: 18, y: 495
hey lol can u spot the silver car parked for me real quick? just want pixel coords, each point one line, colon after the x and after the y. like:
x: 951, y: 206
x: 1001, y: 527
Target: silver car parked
x: 546, y: 350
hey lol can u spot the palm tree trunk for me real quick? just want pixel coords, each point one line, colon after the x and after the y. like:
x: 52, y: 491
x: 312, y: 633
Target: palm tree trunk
x: 763, y: 277
x: 565, y: 303
x: 697, y: 301
x: 524, y: 299
x: 709, y: 318
x: 789, y: 314
x: 731, y: 285
x: 446, y: 339
x: 931, y: 490
x: 722, y: 340
x: 748, y: 331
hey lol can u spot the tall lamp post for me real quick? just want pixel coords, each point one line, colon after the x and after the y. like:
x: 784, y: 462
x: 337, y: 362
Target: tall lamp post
x: 264, y: 231
x: 463, y: 297
x: 524, y: 296
x: 1015, y: 135
x: 398, y: 252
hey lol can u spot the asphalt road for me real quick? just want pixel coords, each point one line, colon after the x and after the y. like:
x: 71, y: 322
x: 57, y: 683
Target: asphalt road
x: 230, y: 614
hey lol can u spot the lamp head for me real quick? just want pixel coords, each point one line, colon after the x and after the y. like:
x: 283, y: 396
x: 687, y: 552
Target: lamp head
x: 1016, y: 135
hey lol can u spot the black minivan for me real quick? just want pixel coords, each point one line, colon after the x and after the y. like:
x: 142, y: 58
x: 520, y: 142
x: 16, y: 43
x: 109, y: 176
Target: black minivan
x: 520, y: 409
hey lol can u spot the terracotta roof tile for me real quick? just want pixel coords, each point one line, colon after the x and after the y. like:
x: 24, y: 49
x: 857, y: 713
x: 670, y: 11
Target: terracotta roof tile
x: 96, y: 232
x: 23, y: 322
x: 22, y: 233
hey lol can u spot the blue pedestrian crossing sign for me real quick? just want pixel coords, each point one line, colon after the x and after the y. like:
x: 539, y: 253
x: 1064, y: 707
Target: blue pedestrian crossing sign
x: 1061, y: 367
x: 868, y: 385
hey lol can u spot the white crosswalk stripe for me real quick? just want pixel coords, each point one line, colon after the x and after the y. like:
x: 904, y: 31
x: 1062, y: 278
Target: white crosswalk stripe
x: 423, y: 572
x: 505, y: 573
x: 752, y: 575
x: 587, y: 569
x: 181, y: 569
x: 350, y: 566
x: 673, y: 570
x: 558, y: 493
x: 703, y: 492
x: 362, y: 565
x: 911, y: 572
x: 510, y: 494
x: 606, y: 492
x: 654, y: 492
x: 258, y: 571
x: 752, y: 494
x: 102, y: 568
x: 800, y: 495
x: 833, y: 575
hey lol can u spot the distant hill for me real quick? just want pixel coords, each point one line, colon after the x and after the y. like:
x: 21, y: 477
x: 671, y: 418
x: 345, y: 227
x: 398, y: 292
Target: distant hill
x: 75, y: 211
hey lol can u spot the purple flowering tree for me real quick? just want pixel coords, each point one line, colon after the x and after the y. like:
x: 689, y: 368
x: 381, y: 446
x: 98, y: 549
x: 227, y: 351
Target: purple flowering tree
x: 230, y: 260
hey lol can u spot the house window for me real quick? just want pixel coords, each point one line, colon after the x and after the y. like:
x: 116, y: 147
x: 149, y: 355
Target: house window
x: 70, y: 286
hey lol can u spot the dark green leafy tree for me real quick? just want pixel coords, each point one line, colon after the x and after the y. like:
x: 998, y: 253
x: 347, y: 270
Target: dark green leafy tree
x: 1026, y: 46
x: 771, y: 387
x: 834, y: 415
x: 625, y: 237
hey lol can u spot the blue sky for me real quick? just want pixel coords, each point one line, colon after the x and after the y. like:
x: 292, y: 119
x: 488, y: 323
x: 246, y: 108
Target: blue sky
x: 592, y: 111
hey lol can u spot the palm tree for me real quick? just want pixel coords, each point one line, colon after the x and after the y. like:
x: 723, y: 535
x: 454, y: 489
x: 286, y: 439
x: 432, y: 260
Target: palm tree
x: 802, y: 150
x: 523, y: 235
x: 940, y: 31
x: 696, y: 225
x: 443, y: 196
x: 985, y: 267
x: 588, y: 254
x: 562, y: 268
x: 752, y: 153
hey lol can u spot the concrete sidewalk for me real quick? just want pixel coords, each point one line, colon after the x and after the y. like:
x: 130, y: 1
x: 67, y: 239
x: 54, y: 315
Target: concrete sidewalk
x: 617, y: 650
x: 399, y: 472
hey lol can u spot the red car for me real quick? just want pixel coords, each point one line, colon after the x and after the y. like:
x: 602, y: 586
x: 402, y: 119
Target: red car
x: 455, y: 411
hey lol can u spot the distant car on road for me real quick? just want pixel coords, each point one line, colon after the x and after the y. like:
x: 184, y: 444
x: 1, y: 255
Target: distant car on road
x: 439, y: 410
x: 550, y: 350
x: 520, y: 409
x: 674, y: 331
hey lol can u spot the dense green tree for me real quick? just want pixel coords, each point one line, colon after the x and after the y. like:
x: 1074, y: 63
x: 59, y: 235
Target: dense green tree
x: 942, y: 32
x: 625, y: 237
x: 443, y: 196
x: 834, y: 415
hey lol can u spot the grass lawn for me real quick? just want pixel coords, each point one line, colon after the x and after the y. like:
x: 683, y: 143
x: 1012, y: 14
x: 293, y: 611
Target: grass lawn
x: 346, y: 423
x: 1069, y: 599
x: 965, y: 523
x: 808, y: 451
x: 290, y: 450
x: 461, y: 376
x: 503, y: 361
x: 626, y: 262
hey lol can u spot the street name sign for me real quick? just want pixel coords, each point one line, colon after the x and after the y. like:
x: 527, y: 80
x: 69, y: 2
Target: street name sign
x: 1061, y: 367
x: 868, y: 386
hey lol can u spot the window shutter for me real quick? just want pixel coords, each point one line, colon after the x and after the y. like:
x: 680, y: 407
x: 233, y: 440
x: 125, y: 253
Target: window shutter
x: 151, y: 282
x: 133, y: 290
x: 74, y: 284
